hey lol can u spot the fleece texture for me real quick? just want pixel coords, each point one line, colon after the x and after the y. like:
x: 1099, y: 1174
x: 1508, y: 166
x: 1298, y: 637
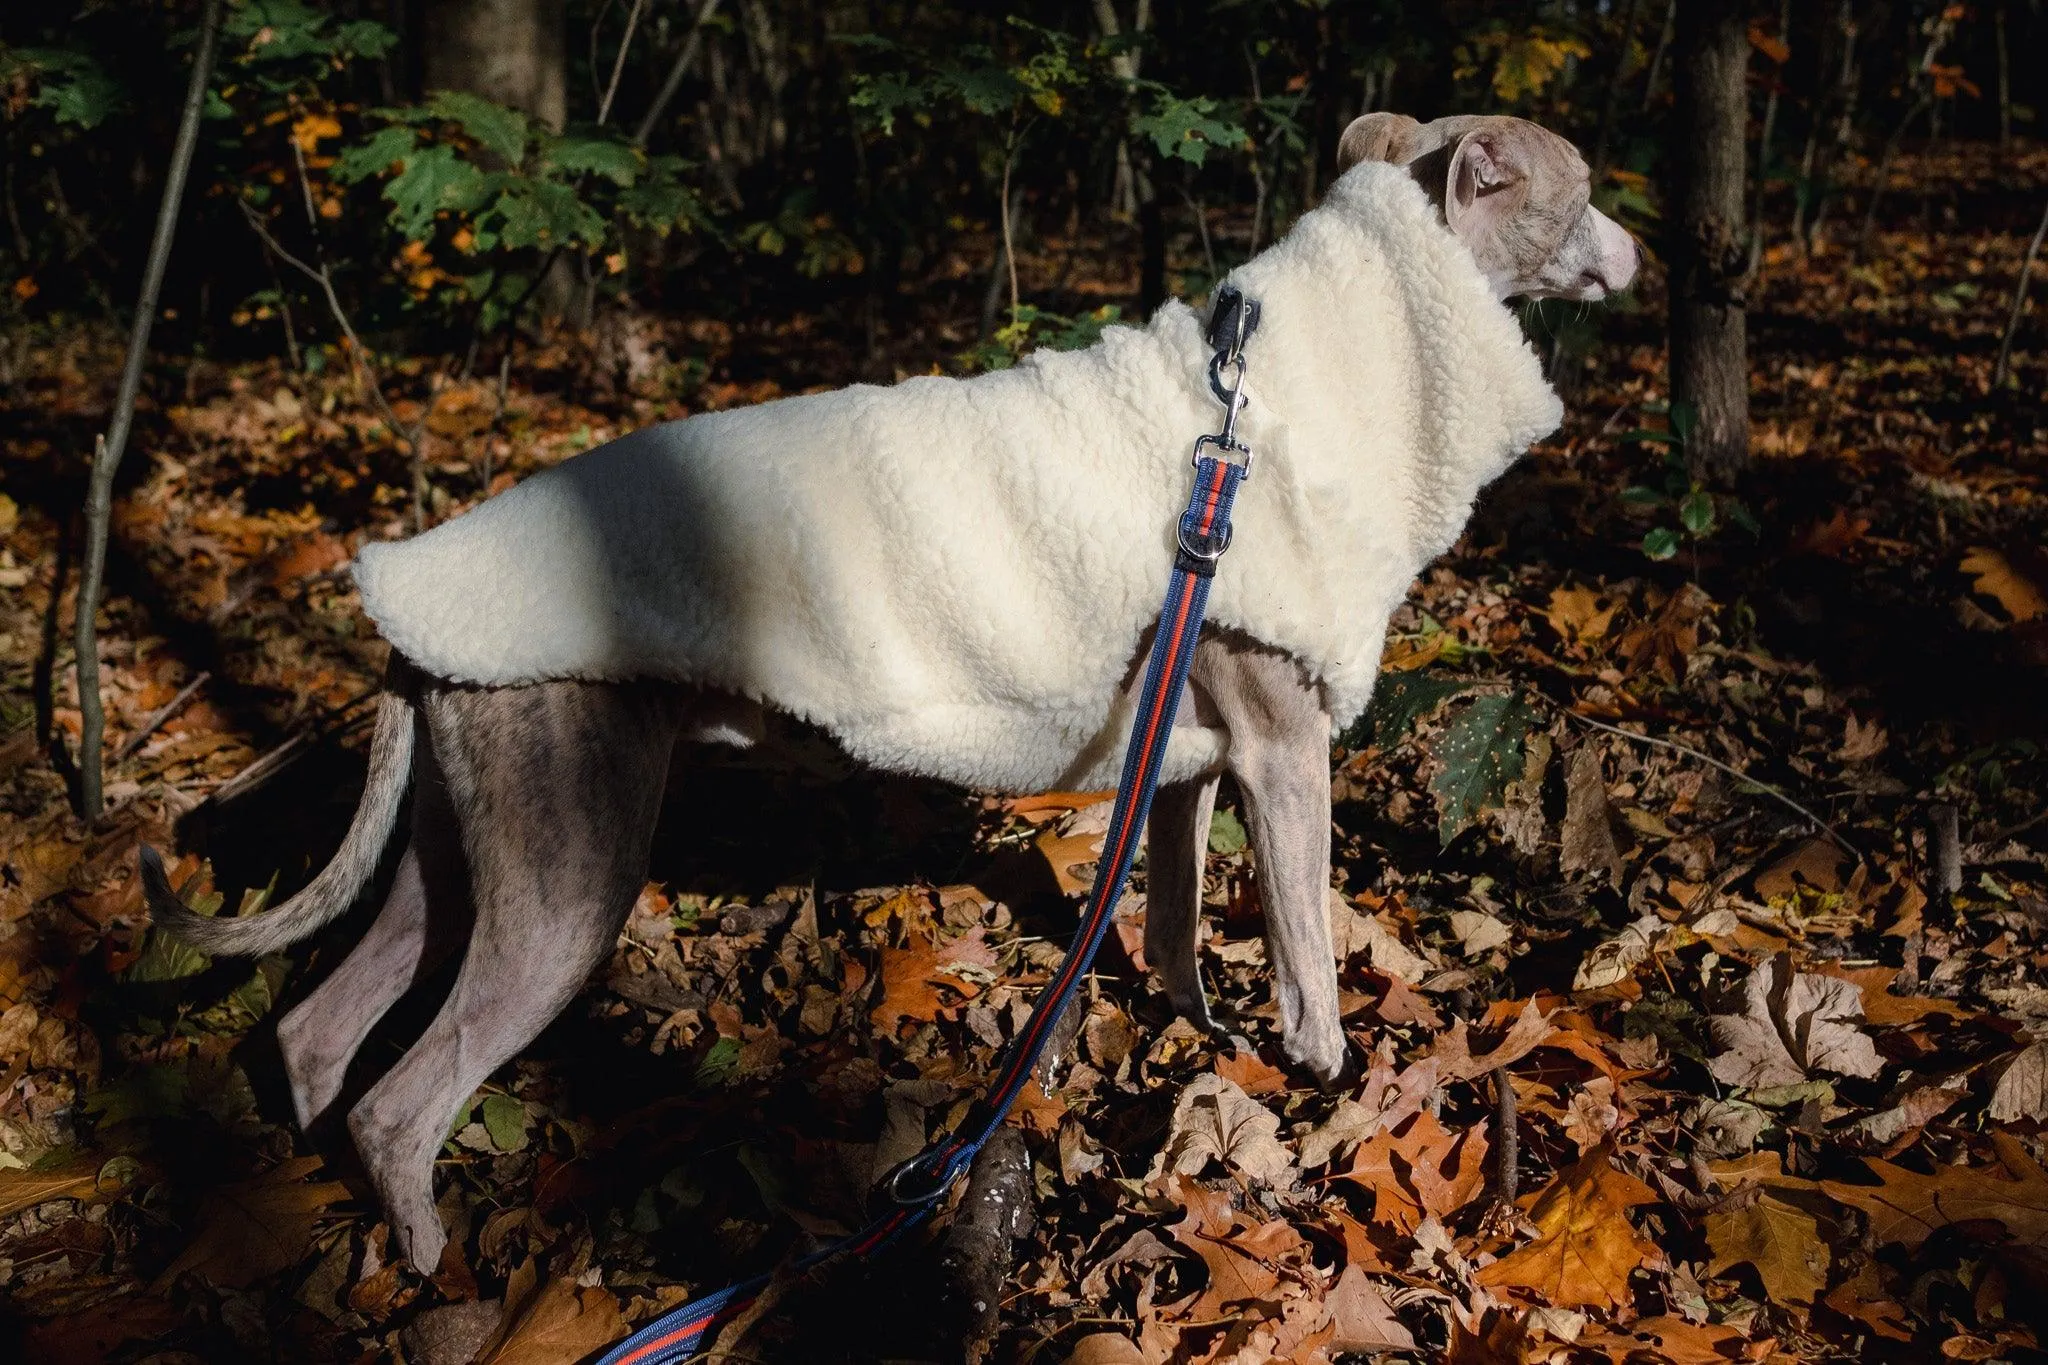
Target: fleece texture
x: 953, y: 577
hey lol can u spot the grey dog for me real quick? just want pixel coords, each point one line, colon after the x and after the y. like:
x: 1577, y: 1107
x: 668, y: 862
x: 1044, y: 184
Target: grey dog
x: 534, y: 804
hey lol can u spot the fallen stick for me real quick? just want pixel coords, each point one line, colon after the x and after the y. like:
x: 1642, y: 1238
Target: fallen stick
x: 975, y: 1261
x: 160, y: 715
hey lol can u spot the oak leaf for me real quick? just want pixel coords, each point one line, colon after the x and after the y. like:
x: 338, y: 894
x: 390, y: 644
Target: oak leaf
x: 1996, y: 577
x: 1585, y: 1249
x: 1423, y: 1171
x: 1453, y: 1051
x: 1907, y: 1207
x: 916, y: 977
x: 551, y: 1321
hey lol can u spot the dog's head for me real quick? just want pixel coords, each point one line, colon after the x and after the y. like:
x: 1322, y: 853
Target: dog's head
x: 1514, y: 192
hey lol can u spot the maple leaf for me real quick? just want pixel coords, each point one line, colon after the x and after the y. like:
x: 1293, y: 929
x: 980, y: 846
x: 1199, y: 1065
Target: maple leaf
x: 1214, y: 1120
x: 1780, y: 1240
x: 916, y: 977
x: 255, y: 1228
x: 1907, y: 1207
x: 1453, y: 1051
x: 1792, y: 1024
x: 1586, y: 1248
x: 1579, y: 616
x: 1424, y: 1171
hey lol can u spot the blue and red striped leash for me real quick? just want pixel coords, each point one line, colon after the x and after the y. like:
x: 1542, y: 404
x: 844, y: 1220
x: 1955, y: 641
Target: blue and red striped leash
x: 917, y: 1186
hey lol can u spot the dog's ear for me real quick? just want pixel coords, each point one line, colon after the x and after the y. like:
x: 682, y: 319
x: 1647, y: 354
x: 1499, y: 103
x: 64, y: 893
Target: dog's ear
x: 1487, y: 183
x: 1394, y: 138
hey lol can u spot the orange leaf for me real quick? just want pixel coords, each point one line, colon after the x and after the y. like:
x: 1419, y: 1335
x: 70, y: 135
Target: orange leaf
x: 1586, y: 1248
x: 1996, y: 576
x: 915, y: 978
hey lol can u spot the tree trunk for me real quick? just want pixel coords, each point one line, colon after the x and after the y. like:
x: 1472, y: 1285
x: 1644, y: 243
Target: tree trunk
x: 1709, y: 346
x: 513, y: 52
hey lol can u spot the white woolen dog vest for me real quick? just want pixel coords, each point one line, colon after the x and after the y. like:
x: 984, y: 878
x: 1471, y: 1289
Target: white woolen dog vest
x: 953, y: 576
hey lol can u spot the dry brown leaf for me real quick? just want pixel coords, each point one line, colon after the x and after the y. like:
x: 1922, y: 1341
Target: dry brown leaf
x: 1907, y: 1207
x: 1586, y: 1248
x: 1615, y: 960
x: 1213, y: 1120
x: 1586, y: 838
x: 255, y: 1228
x: 1667, y: 1340
x: 1453, y: 1051
x: 1352, y: 931
x: 1235, y: 1276
x: 1864, y: 1298
x: 2022, y: 1089
x: 1792, y: 1024
x: 85, y: 1178
x: 1781, y: 1240
x: 1107, y: 1348
x: 1388, y: 1099
x: 552, y: 1322
x: 1423, y: 1171
x: 1995, y: 576
x: 1361, y: 1319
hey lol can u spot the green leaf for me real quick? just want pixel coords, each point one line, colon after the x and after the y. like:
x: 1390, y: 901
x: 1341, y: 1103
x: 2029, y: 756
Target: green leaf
x: 1684, y: 417
x: 434, y: 180
x: 880, y: 98
x: 1481, y: 752
x: 718, y: 1064
x: 382, y: 151
x: 1226, y: 834
x: 504, y: 1118
x: 496, y: 129
x: 71, y: 85
x: 984, y: 89
x: 1399, y: 700
x: 618, y: 162
x: 1646, y: 436
x: 1696, y: 511
x: 1641, y: 495
x: 1187, y: 129
x: 1661, y: 543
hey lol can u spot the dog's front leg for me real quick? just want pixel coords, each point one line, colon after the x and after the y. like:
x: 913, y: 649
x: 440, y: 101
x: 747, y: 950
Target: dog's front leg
x: 1280, y: 756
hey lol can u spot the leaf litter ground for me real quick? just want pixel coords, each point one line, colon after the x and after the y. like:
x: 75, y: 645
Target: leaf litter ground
x: 1767, y: 1098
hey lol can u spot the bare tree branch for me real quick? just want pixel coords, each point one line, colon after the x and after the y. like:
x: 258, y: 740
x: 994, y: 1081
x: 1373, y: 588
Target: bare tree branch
x: 106, y: 462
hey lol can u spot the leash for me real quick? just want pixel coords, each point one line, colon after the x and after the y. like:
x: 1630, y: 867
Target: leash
x: 916, y: 1187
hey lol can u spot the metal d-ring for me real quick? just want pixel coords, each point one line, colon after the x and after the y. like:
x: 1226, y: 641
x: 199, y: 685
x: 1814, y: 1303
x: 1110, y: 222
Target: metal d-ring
x: 894, y: 1184
x: 1181, y: 534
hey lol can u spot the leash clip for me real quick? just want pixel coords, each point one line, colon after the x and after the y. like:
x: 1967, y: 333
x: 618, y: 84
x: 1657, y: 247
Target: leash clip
x: 1230, y: 324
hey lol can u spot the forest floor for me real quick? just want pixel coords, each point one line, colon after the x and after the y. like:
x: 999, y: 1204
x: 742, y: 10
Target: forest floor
x: 1775, y: 1097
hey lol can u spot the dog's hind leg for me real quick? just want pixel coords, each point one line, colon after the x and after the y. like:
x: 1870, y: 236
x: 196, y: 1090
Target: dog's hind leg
x: 423, y: 919
x: 556, y: 786
x: 1176, y: 847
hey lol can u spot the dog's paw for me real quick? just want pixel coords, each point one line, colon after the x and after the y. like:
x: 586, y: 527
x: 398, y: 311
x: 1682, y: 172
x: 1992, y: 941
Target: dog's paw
x: 1321, y: 1053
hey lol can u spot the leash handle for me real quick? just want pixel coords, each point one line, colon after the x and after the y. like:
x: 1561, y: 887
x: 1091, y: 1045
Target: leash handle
x: 917, y: 1186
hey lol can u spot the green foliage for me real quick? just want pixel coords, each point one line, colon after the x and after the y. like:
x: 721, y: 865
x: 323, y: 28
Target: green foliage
x: 1399, y: 700
x: 71, y: 85
x: 1226, y: 833
x: 1699, y: 511
x: 1187, y: 128
x: 1032, y: 328
x: 275, y: 47
x: 1481, y: 752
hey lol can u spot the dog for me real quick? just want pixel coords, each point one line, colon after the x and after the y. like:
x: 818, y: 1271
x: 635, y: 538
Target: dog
x: 953, y: 578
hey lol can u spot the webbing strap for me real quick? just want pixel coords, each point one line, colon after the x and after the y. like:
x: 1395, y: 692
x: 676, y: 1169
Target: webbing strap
x: 918, y: 1185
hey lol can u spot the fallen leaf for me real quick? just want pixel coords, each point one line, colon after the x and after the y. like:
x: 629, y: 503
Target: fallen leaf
x: 1615, y: 960
x: 548, y: 1323
x: 1389, y: 1098
x: 1995, y: 576
x: 1861, y: 740
x: 1361, y: 1319
x: 1478, y: 932
x: 1906, y: 1207
x: 255, y: 1228
x: 1780, y: 1240
x: 1586, y: 1248
x: 1817, y: 863
x: 1107, y: 1348
x: 1352, y: 932
x: 2022, y: 1089
x: 1792, y: 1024
x: 916, y: 977
x: 1213, y: 1120
x: 1453, y: 1051
x: 1422, y: 1171
x: 1586, y: 838
x: 1578, y: 615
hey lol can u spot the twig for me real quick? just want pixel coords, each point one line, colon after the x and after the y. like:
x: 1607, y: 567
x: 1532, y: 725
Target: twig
x: 107, y: 451
x: 160, y: 715
x: 604, y: 106
x: 2003, y: 368
x: 675, y: 74
x: 978, y: 1249
x: 409, y: 436
x: 1507, y: 1151
x: 1716, y: 763
x: 1944, y: 850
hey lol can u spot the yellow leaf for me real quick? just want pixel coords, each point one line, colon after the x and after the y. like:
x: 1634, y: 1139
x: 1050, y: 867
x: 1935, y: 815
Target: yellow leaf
x: 1995, y: 576
x: 310, y: 128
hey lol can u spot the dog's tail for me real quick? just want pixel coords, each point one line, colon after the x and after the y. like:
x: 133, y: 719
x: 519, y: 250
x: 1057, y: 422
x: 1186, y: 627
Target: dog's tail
x: 330, y: 893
